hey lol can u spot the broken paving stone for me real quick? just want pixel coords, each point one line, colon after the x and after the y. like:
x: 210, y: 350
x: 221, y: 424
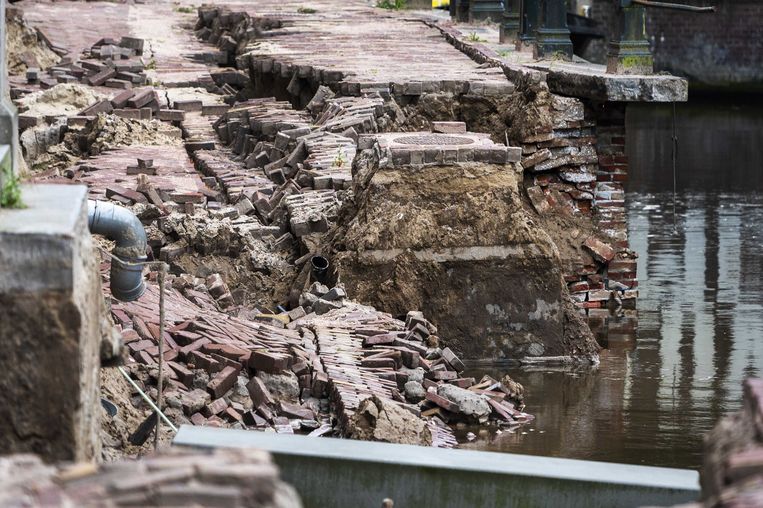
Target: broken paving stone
x: 450, y: 357
x: 318, y: 289
x: 194, y: 401
x: 271, y: 363
x: 223, y: 381
x: 335, y: 293
x: 322, y: 306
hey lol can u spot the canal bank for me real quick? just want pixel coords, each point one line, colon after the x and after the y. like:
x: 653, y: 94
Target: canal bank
x: 675, y: 366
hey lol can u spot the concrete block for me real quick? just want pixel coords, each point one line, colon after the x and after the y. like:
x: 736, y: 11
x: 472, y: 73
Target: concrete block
x: 50, y: 326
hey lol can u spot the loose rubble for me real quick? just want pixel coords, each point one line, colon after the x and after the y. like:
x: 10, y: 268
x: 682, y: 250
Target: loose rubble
x: 242, y: 196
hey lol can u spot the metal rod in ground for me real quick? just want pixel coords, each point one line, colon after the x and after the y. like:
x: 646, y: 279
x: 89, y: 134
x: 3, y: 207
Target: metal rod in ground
x: 159, y: 384
x: 148, y: 399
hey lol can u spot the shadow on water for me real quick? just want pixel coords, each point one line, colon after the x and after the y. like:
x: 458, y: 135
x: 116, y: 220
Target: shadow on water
x: 675, y: 365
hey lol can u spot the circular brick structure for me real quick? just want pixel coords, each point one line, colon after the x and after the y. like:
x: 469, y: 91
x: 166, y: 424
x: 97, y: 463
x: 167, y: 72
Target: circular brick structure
x: 433, y: 139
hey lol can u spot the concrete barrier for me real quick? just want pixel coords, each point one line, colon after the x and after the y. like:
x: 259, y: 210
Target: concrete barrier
x: 339, y: 472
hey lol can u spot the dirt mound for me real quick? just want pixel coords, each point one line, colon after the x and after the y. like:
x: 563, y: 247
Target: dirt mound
x: 110, y: 131
x: 24, y: 46
x: 63, y: 99
x: 457, y: 243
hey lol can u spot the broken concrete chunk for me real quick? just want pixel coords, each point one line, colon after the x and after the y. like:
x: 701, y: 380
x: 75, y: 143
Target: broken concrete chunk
x: 284, y: 386
x: 414, y: 392
x: 469, y: 403
x: 383, y: 420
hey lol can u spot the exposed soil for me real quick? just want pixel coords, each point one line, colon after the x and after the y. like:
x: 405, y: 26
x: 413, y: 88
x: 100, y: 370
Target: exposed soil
x: 255, y: 281
x: 115, y: 431
x: 110, y: 131
x: 24, y: 47
x: 478, y: 303
x: 513, y: 117
x: 62, y: 100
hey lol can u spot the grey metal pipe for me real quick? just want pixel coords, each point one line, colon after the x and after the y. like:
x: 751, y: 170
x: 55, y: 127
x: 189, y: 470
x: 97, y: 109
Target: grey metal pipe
x: 121, y: 225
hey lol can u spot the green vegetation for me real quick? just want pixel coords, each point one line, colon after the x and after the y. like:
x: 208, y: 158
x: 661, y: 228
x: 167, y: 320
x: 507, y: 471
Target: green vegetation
x: 306, y: 10
x: 188, y: 9
x: 473, y: 37
x: 339, y: 160
x: 391, y: 4
x: 10, y: 193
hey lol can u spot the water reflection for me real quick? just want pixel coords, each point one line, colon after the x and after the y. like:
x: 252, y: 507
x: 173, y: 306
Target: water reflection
x: 675, y: 364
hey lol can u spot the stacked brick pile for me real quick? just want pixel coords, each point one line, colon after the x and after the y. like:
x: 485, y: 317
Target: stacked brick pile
x: 284, y: 166
x: 279, y: 371
x: 224, y: 477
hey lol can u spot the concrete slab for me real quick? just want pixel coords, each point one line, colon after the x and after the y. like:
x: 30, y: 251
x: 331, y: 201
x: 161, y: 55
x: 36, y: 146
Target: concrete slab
x: 336, y: 472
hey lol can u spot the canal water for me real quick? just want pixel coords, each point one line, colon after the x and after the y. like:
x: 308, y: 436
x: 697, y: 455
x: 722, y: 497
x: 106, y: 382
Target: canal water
x: 674, y: 365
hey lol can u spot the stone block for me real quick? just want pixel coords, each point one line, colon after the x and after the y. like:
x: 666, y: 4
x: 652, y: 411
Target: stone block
x: 50, y: 291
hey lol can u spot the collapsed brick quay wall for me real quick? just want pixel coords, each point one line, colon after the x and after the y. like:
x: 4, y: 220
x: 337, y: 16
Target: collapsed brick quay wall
x: 573, y: 150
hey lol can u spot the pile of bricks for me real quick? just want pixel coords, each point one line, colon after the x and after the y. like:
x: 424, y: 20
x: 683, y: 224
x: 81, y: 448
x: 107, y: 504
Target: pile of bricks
x: 578, y: 168
x: 291, y: 371
x: 175, y: 477
x: 367, y: 353
x: 136, y: 104
x: 110, y: 62
x: 213, y: 357
x: 285, y: 166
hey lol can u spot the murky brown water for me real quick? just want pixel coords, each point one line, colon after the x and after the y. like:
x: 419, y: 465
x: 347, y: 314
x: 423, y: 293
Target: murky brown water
x: 675, y: 365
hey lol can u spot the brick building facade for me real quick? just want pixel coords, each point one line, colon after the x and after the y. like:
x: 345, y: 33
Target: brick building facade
x: 720, y: 49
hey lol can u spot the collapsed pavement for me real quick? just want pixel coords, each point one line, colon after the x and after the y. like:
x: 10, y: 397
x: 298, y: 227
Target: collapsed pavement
x: 238, y: 193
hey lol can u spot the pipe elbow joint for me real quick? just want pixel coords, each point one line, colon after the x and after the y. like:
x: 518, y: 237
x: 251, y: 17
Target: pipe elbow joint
x: 123, y: 227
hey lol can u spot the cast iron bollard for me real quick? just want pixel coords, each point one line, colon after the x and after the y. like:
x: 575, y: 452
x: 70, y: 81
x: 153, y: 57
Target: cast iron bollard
x: 528, y: 23
x: 553, y: 36
x: 510, y: 24
x: 486, y: 9
x: 629, y: 53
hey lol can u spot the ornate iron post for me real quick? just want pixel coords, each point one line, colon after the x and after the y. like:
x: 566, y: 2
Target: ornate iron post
x: 510, y: 25
x: 528, y: 22
x: 629, y: 53
x: 486, y: 9
x: 553, y: 36
x: 459, y: 10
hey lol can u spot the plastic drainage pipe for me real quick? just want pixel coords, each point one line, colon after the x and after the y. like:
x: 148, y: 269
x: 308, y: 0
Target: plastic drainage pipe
x: 121, y: 225
x: 320, y: 267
